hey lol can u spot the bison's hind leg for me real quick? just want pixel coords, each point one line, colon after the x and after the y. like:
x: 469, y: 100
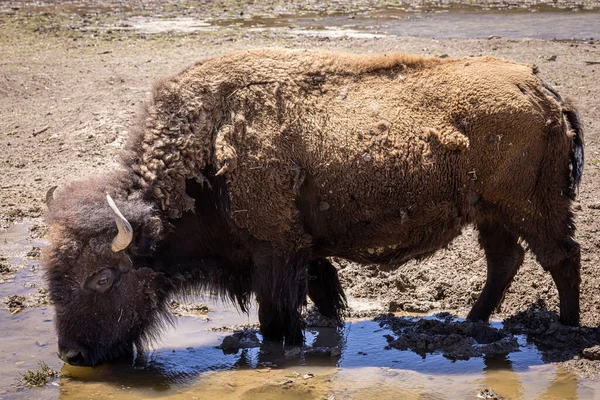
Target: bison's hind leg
x: 562, y: 258
x: 325, y: 290
x: 504, y: 256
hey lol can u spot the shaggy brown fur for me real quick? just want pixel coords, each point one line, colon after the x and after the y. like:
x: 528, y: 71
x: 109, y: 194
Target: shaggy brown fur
x: 288, y: 157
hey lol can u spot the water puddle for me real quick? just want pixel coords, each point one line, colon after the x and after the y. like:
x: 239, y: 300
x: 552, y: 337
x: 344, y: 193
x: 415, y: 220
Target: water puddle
x: 352, y: 362
x: 445, y: 22
x: 153, y: 25
x: 432, y: 19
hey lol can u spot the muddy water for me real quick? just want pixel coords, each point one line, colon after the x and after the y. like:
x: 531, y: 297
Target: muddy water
x: 432, y: 19
x: 188, y: 363
x: 455, y: 21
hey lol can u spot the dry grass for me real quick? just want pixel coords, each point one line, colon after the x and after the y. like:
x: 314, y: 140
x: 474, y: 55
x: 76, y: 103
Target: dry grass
x: 38, y: 378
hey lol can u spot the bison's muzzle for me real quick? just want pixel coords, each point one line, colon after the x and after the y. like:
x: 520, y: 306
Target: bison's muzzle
x: 73, y: 356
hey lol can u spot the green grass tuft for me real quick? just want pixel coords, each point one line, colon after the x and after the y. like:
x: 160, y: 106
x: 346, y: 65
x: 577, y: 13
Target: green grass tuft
x: 39, y: 377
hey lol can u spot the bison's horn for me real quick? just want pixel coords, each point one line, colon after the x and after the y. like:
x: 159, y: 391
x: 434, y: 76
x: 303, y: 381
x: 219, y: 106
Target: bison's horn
x: 50, y: 196
x: 125, y: 235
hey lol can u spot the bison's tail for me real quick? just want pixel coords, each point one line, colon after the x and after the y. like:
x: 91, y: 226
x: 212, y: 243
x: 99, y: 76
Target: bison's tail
x: 578, y: 145
x: 574, y: 123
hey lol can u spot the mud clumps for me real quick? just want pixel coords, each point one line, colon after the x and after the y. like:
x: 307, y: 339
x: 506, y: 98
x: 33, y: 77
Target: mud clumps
x: 195, y: 310
x: 235, y: 328
x: 39, y: 298
x: 15, y: 303
x: 591, y: 353
x: 544, y: 329
x: 5, y: 268
x: 456, y: 340
x: 245, y: 339
x: 576, y: 348
x: 38, y: 231
x: 34, y: 253
x: 557, y: 342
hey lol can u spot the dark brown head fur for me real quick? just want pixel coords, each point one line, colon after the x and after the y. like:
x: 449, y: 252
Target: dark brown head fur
x: 105, y: 305
x: 109, y: 304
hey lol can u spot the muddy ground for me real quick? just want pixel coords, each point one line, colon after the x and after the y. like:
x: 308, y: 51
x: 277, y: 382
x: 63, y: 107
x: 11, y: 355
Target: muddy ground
x: 72, y: 78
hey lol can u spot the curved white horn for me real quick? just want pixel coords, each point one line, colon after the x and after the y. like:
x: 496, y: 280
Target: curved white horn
x: 125, y: 235
x: 50, y: 196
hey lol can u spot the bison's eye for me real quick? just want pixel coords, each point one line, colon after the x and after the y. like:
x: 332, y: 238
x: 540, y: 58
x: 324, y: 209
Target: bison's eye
x: 101, y: 281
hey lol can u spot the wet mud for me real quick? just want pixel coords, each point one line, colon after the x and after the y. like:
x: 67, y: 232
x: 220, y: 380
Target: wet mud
x: 455, y: 340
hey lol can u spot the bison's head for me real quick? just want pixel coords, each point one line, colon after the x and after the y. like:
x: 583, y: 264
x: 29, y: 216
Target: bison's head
x: 107, y: 302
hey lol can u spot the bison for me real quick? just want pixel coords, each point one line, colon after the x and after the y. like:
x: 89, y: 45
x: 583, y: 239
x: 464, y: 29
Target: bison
x: 243, y: 173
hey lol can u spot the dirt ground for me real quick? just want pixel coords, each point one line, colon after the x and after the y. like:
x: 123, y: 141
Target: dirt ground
x: 69, y: 88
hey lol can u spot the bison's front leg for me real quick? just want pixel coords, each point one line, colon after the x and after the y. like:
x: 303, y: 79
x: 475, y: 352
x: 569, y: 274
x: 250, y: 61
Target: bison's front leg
x: 280, y: 287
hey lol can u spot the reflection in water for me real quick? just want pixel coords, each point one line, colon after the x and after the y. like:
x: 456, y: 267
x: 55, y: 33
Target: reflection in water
x: 561, y: 387
x: 499, y: 375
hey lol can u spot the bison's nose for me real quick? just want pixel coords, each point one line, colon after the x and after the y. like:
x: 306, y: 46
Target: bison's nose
x: 72, y: 356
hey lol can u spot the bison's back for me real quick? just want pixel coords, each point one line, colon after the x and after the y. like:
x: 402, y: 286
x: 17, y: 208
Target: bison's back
x: 363, y: 149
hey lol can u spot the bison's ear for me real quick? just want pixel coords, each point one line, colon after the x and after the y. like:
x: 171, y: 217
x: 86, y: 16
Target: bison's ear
x: 125, y: 235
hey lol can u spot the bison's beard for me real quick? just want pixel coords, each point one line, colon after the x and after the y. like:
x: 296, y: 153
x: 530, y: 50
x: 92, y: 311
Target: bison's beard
x: 156, y: 321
